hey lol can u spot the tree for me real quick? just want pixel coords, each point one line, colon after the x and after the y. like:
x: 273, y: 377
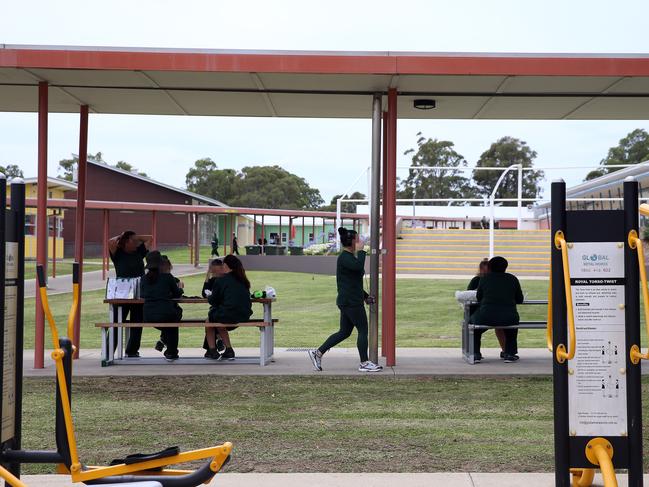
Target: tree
x: 129, y: 167
x: 632, y: 149
x: 436, y: 183
x: 11, y: 171
x: 505, y: 152
x: 344, y: 207
x: 253, y: 186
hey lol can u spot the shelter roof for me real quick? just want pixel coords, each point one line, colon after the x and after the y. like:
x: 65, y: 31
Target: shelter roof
x: 324, y: 83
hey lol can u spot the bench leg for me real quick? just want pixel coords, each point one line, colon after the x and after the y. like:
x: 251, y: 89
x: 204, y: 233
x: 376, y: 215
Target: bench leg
x: 262, y: 346
x: 471, y: 345
x: 271, y: 340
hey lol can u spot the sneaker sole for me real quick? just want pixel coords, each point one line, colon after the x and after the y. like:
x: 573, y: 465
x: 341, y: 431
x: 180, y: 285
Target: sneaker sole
x: 370, y: 370
x: 315, y: 365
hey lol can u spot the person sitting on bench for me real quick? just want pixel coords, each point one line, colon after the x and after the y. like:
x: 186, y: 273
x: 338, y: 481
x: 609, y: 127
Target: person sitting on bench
x: 230, y: 303
x: 158, y: 289
x: 498, y: 294
x: 214, y: 271
x: 483, y: 269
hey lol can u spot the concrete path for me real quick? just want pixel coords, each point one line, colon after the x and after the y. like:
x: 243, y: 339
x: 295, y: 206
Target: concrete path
x: 93, y: 281
x: 356, y: 479
x: 294, y: 361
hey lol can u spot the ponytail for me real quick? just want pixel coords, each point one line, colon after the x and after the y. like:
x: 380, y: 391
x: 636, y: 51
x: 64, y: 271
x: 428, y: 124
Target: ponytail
x: 238, y: 272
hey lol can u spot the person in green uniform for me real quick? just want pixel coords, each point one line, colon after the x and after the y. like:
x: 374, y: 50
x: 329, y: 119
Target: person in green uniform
x: 229, y: 303
x: 483, y: 269
x: 158, y: 289
x: 127, y: 251
x: 498, y: 294
x: 351, y: 301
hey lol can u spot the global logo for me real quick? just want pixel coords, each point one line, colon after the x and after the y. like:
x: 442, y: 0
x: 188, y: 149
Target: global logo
x: 595, y: 257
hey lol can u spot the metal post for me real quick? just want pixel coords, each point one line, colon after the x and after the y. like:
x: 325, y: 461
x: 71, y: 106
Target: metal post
x: 154, y: 229
x: 106, y: 257
x: 225, y: 235
x: 324, y: 230
x: 279, y: 238
x: 520, y: 196
x: 560, y: 335
x: 384, y: 166
x: 254, y: 229
x: 313, y: 228
x: 197, y: 240
x: 389, y: 232
x: 53, y: 244
x: 632, y: 319
x: 375, y: 209
x: 80, y: 220
x: 302, y: 231
x: 41, y: 220
x: 338, y: 223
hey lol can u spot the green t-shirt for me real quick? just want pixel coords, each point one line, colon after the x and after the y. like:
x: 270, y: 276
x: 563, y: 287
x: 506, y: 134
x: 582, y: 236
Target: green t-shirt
x: 129, y: 264
x: 349, y: 278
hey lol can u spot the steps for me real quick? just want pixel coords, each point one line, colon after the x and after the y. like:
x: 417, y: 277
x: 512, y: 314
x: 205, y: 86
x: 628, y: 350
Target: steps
x: 458, y: 252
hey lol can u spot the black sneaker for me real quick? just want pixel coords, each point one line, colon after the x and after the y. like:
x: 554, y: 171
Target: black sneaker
x: 227, y: 355
x: 159, y: 346
x: 171, y: 358
x: 477, y: 358
x: 212, y: 354
x: 502, y: 354
x: 133, y: 355
x: 220, y: 346
x: 510, y: 358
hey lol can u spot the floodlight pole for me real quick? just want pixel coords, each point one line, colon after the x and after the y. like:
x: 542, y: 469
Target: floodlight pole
x: 491, y: 205
x: 375, y: 215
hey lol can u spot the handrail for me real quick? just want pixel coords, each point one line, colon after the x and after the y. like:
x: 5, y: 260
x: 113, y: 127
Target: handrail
x: 644, y: 209
x: 74, y: 308
x: 599, y: 451
x: 10, y: 478
x: 635, y: 243
x: 561, y: 353
x: 582, y: 477
x: 548, y: 330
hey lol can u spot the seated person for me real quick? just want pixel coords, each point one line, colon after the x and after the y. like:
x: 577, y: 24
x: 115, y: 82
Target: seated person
x: 214, y: 271
x: 498, y: 294
x: 165, y: 268
x: 483, y: 269
x: 158, y: 289
x: 229, y: 303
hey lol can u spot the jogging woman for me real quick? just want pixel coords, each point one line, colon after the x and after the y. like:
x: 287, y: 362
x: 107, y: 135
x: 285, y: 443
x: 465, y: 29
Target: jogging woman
x: 350, y: 301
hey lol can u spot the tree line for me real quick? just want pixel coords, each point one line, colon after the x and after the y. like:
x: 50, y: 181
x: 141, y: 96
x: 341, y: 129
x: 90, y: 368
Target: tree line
x: 275, y: 187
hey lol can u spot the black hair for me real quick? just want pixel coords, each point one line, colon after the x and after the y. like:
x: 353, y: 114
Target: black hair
x: 483, y: 263
x: 152, y: 275
x: 498, y: 264
x: 124, y: 237
x: 346, y: 236
x: 237, y: 269
x: 216, y: 262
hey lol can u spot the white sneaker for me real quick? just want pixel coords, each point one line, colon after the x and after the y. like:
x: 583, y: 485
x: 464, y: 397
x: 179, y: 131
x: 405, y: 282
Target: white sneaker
x: 316, y: 359
x: 369, y: 366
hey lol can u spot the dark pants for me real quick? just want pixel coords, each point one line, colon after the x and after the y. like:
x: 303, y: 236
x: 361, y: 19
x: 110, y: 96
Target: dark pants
x: 169, y: 336
x: 511, y: 340
x: 350, y: 317
x: 135, y: 334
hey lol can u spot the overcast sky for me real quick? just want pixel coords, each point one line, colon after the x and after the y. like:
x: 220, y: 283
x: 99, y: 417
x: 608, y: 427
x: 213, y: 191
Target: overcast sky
x: 316, y: 149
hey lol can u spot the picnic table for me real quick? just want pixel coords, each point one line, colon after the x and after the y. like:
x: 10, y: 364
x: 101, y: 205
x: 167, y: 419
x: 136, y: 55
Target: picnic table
x: 109, y: 356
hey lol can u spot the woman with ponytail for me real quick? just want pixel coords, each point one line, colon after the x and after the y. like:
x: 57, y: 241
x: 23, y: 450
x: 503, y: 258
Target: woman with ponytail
x: 229, y: 303
x: 350, y: 301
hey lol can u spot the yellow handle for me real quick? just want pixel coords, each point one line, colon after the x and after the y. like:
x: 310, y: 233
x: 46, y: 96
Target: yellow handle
x: 599, y: 451
x: 562, y: 354
x: 10, y: 478
x: 582, y: 477
x: 635, y: 243
x: 548, y: 330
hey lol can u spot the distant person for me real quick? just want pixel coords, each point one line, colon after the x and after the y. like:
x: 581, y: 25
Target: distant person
x: 127, y: 251
x: 483, y: 269
x: 498, y: 294
x: 215, y: 245
x: 235, y: 245
x: 351, y: 301
x: 158, y: 290
x: 229, y: 303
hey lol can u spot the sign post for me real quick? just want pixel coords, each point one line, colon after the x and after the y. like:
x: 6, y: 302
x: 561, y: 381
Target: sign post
x: 597, y: 390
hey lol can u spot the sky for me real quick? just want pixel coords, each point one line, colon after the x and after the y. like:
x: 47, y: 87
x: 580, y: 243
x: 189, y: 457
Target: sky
x: 328, y: 153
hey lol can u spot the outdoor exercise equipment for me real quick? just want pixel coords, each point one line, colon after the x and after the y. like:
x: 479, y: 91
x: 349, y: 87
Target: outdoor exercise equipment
x: 141, y: 470
x: 594, y: 336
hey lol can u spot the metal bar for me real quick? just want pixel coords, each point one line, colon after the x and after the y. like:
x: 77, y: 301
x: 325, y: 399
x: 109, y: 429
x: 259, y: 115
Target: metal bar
x: 80, y: 220
x: 560, y: 335
x: 154, y: 229
x: 520, y: 197
x: 197, y: 240
x: 324, y: 231
x: 375, y: 211
x: 389, y: 232
x: 41, y: 221
x: 302, y: 231
x: 53, y: 243
x: 225, y: 236
x: 104, y: 253
x: 254, y: 229
x: 384, y: 165
x: 313, y: 229
x: 279, y: 238
x: 632, y: 331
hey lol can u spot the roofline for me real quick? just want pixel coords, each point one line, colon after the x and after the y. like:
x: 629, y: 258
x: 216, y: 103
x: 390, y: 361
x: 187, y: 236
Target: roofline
x: 54, y: 181
x: 147, y: 179
x: 323, y: 62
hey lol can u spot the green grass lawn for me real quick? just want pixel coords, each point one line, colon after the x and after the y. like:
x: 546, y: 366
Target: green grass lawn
x: 63, y: 267
x: 427, y: 313
x: 310, y: 424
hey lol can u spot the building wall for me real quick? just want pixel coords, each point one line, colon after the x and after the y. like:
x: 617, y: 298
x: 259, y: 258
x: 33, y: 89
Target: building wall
x: 107, y: 185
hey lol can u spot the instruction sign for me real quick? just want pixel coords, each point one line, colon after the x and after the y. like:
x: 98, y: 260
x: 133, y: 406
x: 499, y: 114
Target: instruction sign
x: 9, y: 352
x: 596, y: 376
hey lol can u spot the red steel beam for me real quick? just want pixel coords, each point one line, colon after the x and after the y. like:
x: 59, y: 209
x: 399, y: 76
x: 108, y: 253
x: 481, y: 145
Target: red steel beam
x: 53, y: 244
x: 105, y: 259
x: 154, y: 229
x: 389, y: 232
x: 197, y: 240
x: 80, y: 221
x: 383, y: 171
x: 41, y: 221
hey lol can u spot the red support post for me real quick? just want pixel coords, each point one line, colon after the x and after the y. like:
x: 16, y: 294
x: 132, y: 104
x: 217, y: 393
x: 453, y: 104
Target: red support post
x: 154, y: 229
x: 105, y: 257
x: 41, y: 220
x: 383, y: 170
x: 190, y: 236
x: 80, y: 220
x: 389, y: 233
x: 324, y: 230
x: 263, y: 230
x: 313, y: 229
x: 279, y: 238
x: 197, y: 241
x: 302, y: 231
x: 53, y: 244
x: 254, y: 229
